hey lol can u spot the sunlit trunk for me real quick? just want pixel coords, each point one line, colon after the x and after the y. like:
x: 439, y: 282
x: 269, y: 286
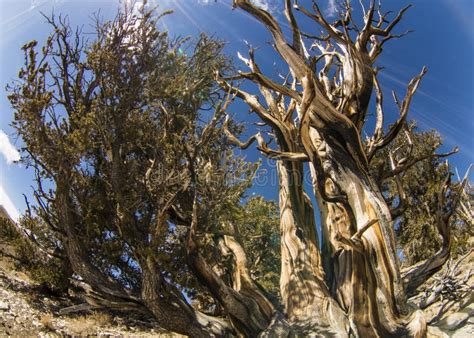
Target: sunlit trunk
x: 304, y: 293
x: 359, y: 250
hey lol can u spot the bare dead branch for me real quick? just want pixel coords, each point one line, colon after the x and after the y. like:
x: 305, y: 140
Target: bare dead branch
x: 379, y: 109
x: 397, y: 126
x: 297, y: 40
x: 391, y: 25
x: 367, y: 30
x: 396, y: 212
x: 292, y: 58
x: 411, y: 162
x: 319, y: 19
x: 253, y: 103
x: 263, y: 147
x: 363, y: 229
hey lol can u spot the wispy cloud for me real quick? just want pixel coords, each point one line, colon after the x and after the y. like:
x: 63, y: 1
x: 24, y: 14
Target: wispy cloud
x: 267, y: 5
x: 8, y: 150
x: 263, y: 4
x: 331, y: 9
x: 7, y: 203
x: 462, y: 11
x: 19, y: 19
x: 271, y: 6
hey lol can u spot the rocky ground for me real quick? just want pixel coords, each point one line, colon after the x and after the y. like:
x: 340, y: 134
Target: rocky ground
x: 28, y: 310
x: 448, y: 299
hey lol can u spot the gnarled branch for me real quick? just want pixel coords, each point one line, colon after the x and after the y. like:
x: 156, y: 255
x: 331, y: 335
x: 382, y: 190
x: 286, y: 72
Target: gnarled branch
x: 397, y: 126
x: 263, y: 147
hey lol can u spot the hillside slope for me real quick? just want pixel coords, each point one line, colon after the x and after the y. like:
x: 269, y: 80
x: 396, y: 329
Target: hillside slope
x: 27, y: 309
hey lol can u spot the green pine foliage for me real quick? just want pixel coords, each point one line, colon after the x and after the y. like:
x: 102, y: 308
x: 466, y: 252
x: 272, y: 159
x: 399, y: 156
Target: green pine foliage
x: 115, y: 123
x: 416, y: 233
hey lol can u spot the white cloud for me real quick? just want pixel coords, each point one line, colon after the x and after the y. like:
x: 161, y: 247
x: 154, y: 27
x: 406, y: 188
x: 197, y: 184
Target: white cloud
x: 37, y: 3
x: 271, y: 6
x: 135, y: 6
x: 331, y: 10
x: 6, y: 202
x: 8, y: 151
x: 263, y: 4
x: 267, y: 5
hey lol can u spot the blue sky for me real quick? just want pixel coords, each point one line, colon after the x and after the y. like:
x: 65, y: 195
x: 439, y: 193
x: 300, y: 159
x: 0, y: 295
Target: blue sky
x: 443, y: 41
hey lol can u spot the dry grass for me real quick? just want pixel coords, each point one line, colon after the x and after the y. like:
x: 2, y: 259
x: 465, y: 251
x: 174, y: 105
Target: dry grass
x: 47, y: 321
x: 101, y: 318
x: 87, y: 325
x: 81, y: 326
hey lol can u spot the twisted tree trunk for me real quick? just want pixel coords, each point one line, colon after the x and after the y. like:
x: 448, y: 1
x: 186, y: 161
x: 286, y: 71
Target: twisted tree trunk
x: 363, y: 266
x: 304, y: 292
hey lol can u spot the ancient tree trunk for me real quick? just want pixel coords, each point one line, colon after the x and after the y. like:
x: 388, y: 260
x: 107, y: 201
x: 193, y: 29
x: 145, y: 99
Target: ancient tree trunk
x: 363, y: 268
x: 303, y: 289
x: 248, y: 314
x: 166, y: 304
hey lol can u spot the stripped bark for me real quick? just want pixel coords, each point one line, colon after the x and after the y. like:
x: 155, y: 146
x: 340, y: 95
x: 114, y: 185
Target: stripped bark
x: 303, y: 289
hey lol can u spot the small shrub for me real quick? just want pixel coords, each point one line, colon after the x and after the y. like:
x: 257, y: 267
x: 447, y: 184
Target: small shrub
x: 82, y: 326
x: 8, y: 231
x: 87, y: 325
x: 51, y: 272
x: 47, y: 321
x: 101, y: 318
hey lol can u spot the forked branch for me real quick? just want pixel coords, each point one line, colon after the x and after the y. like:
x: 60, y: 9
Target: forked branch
x: 394, y: 130
x: 263, y: 147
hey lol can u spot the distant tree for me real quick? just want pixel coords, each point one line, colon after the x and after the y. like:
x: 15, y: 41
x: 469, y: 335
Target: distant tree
x: 257, y: 223
x: 413, y: 195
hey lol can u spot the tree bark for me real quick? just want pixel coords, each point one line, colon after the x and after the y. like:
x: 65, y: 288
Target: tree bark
x: 363, y: 266
x: 305, y: 295
x: 167, y: 305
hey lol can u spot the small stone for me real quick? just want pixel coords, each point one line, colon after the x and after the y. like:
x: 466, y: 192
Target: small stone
x: 4, y: 306
x: 454, y: 321
x: 465, y: 331
x: 469, y: 309
x: 436, y: 332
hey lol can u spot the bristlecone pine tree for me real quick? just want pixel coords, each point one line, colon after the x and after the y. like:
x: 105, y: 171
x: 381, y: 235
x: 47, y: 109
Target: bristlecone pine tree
x: 415, y: 213
x: 141, y: 194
